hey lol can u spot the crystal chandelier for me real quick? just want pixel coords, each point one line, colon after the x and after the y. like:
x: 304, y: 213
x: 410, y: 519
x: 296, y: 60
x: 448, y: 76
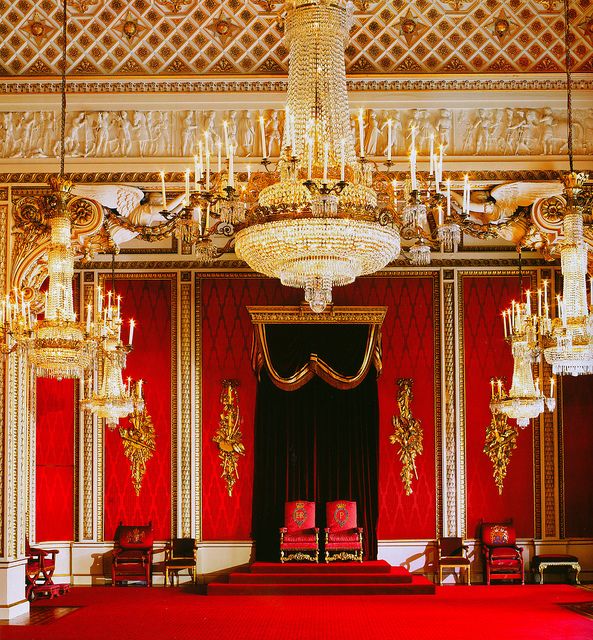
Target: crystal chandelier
x: 113, y: 399
x: 524, y: 400
x: 16, y: 320
x: 317, y: 225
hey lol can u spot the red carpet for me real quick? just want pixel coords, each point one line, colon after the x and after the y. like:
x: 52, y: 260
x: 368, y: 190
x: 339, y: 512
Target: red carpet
x: 305, y: 578
x: 532, y: 612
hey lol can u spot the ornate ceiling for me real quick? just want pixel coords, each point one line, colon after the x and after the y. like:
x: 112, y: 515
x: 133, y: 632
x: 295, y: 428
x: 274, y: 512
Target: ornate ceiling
x: 184, y: 37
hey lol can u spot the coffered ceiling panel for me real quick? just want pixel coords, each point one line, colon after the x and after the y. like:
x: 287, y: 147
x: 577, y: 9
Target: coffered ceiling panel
x: 185, y: 37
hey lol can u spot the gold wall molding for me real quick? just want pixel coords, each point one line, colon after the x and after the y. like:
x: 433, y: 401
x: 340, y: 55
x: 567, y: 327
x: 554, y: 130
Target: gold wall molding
x: 228, y: 436
x: 185, y: 444
x: 3, y: 399
x: 407, y: 433
x: 198, y: 404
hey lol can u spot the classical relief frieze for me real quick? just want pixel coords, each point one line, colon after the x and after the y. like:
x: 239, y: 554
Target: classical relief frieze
x: 509, y: 131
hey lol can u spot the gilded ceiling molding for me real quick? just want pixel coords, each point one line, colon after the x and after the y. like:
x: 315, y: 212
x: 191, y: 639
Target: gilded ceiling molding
x: 303, y: 315
x: 118, y: 85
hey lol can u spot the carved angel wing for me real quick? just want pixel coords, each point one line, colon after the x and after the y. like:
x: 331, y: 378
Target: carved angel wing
x: 511, y: 195
x: 120, y: 197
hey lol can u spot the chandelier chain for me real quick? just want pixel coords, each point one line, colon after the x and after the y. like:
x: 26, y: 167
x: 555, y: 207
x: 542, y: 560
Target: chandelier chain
x: 568, y: 83
x: 63, y: 90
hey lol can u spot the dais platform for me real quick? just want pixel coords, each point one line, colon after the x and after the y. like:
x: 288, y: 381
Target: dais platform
x: 299, y: 578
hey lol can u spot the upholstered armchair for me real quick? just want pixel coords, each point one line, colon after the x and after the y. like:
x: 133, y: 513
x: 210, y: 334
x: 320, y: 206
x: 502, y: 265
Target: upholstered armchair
x: 452, y: 553
x: 503, y: 559
x: 299, y: 537
x: 132, y: 554
x: 180, y: 554
x: 39, y: 571
x: 343, y: 539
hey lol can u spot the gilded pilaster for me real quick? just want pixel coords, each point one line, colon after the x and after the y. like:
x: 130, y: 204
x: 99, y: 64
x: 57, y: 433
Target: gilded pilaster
x: 452, y: 452
x: 185, y: 463
x: 198, y: 408
x: 3, y: 276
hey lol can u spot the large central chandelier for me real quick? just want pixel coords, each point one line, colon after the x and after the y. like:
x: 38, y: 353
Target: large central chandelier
x: 318, y: 225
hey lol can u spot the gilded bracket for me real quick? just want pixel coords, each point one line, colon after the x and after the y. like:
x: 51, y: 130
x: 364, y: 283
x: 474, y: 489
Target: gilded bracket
x: 139, y: 441
x: 407, y: 433
x: 228, y: 436
x: 501, y: 439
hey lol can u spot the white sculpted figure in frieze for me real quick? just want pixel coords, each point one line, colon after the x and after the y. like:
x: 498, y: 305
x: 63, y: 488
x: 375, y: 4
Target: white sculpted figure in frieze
x: 124, y: 134
x: 426, y: 130
x: 48, y: 132
x: 191, y: 133
x: 246, y: 133
x: 443, y: 128
x: 483, y: 128
x: 103, y: 134
x: 373, y: 135
x: 75, y: 142
x: 274, y: 136
x: 547, y: 123
x: 414, y: 126
x: 211, y: 130
x: 142, y: 135
x: 233, y: 128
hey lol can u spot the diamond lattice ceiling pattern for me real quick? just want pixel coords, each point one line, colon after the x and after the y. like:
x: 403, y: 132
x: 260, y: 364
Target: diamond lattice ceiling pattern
x: 149, y: 37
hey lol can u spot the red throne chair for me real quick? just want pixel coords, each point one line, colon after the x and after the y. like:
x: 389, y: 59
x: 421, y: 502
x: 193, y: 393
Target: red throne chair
x: 39, y: 571
x: 343, y: 539
x: 299, y: 537
x: 503, y: 559
x: 132, y: 554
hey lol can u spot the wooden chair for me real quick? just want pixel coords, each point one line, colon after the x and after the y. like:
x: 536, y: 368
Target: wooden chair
x: 180, y: 554
x: 132, y: 554
x: 451, y: 554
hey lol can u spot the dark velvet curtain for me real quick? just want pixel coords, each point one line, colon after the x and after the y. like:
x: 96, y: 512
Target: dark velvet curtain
x: 316, y: 443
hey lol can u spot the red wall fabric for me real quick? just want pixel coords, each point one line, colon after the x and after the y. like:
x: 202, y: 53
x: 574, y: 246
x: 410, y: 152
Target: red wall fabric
x: 149, y: 301
x: 577, y: 420
x: 486, y: 355
x: 408, y: 351
x: 54, y: 508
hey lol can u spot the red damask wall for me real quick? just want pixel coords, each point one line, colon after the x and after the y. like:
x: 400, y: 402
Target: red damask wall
x: 486, y: 355
x: 149, y: 301
x: 408, y: 351
x: 54, y: 513
x: 577, y: 419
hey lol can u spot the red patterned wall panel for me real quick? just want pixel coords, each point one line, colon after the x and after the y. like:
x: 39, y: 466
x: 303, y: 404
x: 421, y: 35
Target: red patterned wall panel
x: 54, y: 512
x: 486, y: 355
x: 226, y: 353
x: 408, y: 351
x: 577, y: 420
x: 149, y: 301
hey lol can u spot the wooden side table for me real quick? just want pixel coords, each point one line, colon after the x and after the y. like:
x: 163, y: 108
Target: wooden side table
x: 545, y: 561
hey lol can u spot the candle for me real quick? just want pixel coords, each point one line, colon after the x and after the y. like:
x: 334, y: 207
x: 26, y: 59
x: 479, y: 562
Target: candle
x: 118, y: 306
x: 196, y: 173
x: 343, y: 160
x: 200, y: 158
x: 539, y: 303
x: 551, y: 386
x: 545, y: 283
x: 139, y: 388
x: 440, y: 214
x: 432, y: 156
x: 99, y: 300
x: 207, y: 155
x: 131, y: 334
x: 325, y: 160
x: 537, y: 386
x: 88, y: 318
x: 163, y: 192
x: 262, y: 131
x: 187, y: 187
x: 440, y: 165
x: 361, y: 132
x: 504, y: 322
x: 389, y: 138
x: 448, y: 197
x: 466, y: 194
x: 231, y: 167
x: 219, y: 157
x: 492, y: 387
x: 528, y: 305
x: 207, y: 219
x: 499, y: 381
x: 413, y: 168
x: 225, y: 128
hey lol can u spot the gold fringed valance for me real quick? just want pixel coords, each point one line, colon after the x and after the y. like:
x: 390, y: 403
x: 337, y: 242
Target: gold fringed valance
x: 289, y: 375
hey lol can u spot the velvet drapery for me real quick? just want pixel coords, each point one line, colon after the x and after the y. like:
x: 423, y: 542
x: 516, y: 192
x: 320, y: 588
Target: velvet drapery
x: 317, y: 442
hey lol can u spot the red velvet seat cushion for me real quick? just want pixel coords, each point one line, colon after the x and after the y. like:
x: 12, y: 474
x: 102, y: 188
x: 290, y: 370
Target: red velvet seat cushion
x: 344, y: 536
x: 555, y: 557
x: 298, y: 545
x: 299, y: 537
x: 501, y: 553
x: 343, y: 545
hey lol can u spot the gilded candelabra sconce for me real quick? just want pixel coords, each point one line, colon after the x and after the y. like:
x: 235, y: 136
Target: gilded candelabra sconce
x: 139, y: 441
x: 407, y: 433
x: 501, y: 439
x: 228, y: 436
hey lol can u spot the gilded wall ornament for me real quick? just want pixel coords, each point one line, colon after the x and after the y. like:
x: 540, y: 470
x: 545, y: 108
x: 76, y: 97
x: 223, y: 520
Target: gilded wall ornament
x: 407, y: 433
x: 501, y: 439
x: 228, y: 436
x: 139, y: 441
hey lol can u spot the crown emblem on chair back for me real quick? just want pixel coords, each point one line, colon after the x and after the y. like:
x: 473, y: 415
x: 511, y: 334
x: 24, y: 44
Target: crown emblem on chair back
x: 341, y: 515
x: 134, y: 536
x: 299, y: 515
x: 497, y: 534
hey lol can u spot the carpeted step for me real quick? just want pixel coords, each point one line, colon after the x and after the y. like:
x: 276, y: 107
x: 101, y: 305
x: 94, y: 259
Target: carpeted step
x: 373, y: 566
x: 397, y: 575
x: 419, y: 586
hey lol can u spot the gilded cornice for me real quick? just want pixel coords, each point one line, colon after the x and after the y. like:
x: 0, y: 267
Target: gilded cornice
x: 303, y: 315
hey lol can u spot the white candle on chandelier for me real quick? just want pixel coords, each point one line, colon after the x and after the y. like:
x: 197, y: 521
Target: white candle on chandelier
x: 187, y: 187
x: 207, y: 225
x: 539, y: 303
x: 131, y: 334
x: 432, y: 156
x: 219, y: 157
x: 99, y: 300
x: 198, y: 214
x: 231, y: 167
x: 551, y: 386
x: 492, y: 387
x: 448, y: 197
x: 559, y: 308
x: 545, y: 283
x: 139, y: 388
x: 504, y: 322
x: 200, y: 158
x: 225, y: 128
x: 361, y: 132
x: 343, y: 160
x: 262, y: 132
x: 207, y: 155
x: 163, y: 192
x: 440, y: 214
x: 537, y: 386
x: 466, y: 194
x: 440, y: 164
x: 118, y: 307
x: 325, y: 160
x: 499, y: 381
x: 389, y: 138
x: 196, y: 173
x: 528, y: 303
x: 413, y: 169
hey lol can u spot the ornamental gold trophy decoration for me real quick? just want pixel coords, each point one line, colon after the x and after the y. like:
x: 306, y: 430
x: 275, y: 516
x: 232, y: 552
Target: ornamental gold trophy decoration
x: 501, y: 439
x: 407, y: 433
x: 228, y: 436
